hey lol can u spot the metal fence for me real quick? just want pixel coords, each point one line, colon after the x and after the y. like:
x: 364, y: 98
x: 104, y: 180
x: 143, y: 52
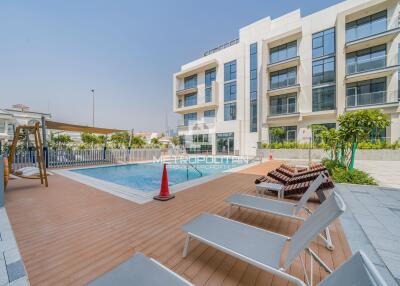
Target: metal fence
x: 72, y: 158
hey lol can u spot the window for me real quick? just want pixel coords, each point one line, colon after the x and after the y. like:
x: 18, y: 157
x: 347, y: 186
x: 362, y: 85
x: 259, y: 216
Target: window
x: 366, y: 26
x: 323, y: 98
x: 190, y: 81
x: 230, y: 111
x: 289, y: 134
x: 209, y: 116
x: 189, y: 118
x: 2, y: 127
x: 367, y: 59
x: 283, y: 78
x: 283, y: 52
x: 253, y: 87
x: 366, y: 92
x: 210, y: 76
x: 197, y: 143
x: 190, y: 99
x: 225, y: 143
x: 323, y: 43
x: 230, y: 71
x: 230, y: 91
x: 323, y: 71
x: 283, y: 104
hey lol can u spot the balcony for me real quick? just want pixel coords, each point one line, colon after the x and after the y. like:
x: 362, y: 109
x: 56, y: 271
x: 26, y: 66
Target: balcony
x: 371, y: 39
x: 284, y: 89
x: 186, y: 91
x: 201, y: 104
x: 284, y: 64
x: 369, y: 69
x: 202, y: 124
x: 372, y: 100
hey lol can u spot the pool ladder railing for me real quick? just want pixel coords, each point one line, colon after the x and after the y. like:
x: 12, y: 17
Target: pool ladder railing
x: 194, y: 167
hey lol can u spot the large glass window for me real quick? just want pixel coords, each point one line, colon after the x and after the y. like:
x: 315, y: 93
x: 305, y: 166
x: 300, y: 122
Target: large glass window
x: 283, y: 78
x: 190, y: 81
x: 366, y: 26
x: 230, y: 71
x: 366, y: 92
x: 197, y: 143
x: 323, y: 71
x: 323, y: 43
x: 283, y: 104
x: 210, y: 76
x: 190, y: 99
x: 209, y: 116
x: 225, y: 143
x: 283, y: 52
x: 189, y: 118
x: 289, y: 134
x: 253, y: 87
x: 230, y: 111
x: 230, y: 91
x: 367, y: 59
x: 323, y: 98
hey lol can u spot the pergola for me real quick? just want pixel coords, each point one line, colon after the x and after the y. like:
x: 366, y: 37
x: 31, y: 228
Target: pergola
x: 79, y: 128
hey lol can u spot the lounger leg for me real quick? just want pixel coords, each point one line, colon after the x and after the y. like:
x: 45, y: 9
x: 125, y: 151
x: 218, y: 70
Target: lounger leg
x: 186, y: 247
x: 327, y: 239
x: 228, y: 213
x: 319, y: 260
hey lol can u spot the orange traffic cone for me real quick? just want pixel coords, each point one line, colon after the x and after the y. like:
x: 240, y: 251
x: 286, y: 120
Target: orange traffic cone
x: 270, y: 156
x: 164, y: 190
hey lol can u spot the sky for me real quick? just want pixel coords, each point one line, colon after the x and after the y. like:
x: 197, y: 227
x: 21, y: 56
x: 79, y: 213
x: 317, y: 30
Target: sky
x: 53, y: 52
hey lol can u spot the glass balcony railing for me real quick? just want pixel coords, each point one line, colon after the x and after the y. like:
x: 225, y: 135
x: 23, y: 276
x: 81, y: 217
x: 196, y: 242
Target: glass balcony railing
x: 204, y: 122
x: 366, y: 65
x: 372, y: 98
x: 369, y: 28
x: 283, y: 109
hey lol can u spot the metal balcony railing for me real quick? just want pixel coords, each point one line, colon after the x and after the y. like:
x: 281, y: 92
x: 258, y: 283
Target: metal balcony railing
x: 372, y: 98
x: 221, y: 47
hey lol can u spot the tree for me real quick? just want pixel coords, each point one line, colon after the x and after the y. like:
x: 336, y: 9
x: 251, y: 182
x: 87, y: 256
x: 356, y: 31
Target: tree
x: 175, y: 140
x: 89, y: 138
x: 155, y: 141
x: 102, y: 139
x: 138, y: 142
x: 277, y: 134
x: 355, y: 127
x: 120, y: 139
x: 62, y: 140
x: 332, y: 139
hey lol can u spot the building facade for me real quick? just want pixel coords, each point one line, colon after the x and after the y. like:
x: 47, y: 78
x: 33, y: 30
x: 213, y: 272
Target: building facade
x: 292, y: 72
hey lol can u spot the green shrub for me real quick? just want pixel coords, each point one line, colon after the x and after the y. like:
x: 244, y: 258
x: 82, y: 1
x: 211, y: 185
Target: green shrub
x: 340, y: 175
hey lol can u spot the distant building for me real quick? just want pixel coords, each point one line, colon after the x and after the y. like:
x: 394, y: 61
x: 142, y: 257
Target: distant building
x: 147, y: 136
x: 11, y: 118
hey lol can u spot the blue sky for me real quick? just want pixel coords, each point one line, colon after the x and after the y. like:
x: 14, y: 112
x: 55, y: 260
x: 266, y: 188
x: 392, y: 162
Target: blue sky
x: 53, y: 52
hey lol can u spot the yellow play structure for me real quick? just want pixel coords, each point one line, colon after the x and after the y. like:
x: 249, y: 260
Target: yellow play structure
x: 35, y: 130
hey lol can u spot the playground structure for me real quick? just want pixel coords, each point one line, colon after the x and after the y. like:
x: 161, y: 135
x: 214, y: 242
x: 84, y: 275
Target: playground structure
x: 35, y: 131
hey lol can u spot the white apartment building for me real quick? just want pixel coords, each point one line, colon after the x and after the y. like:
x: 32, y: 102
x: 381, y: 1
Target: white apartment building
x: 292, y: 72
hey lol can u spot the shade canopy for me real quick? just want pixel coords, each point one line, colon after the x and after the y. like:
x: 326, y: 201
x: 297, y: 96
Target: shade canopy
x: 80, y: 128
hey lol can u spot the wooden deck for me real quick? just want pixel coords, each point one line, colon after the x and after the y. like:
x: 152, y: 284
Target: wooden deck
x: 70, y: 233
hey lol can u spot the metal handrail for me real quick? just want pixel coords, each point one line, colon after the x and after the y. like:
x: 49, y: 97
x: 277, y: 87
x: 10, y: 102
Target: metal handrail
x: 187, y: 170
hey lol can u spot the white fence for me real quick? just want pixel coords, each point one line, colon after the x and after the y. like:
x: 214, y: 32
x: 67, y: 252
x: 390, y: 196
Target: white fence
x: 71, y: 158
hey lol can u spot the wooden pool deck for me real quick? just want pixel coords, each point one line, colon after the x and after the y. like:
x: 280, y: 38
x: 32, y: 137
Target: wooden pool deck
x: 70, y: 233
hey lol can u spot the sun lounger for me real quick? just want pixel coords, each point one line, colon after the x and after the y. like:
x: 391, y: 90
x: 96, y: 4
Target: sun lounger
x: 281, y: 208
x: 261, y: 248
x: 358, y: 270
x: 140, y: 270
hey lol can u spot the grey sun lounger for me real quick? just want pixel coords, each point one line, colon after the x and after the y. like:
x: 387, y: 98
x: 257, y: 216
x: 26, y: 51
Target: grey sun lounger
x: 358, y: 270
x: 281, y: 208
x: 262, y: 248
x: 140, y: 270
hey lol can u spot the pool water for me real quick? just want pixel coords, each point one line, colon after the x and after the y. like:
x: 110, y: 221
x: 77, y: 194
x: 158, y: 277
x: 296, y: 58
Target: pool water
x: 146, y: 177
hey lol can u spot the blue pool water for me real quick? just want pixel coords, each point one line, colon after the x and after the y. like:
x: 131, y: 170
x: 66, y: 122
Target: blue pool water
x: 146, y: 177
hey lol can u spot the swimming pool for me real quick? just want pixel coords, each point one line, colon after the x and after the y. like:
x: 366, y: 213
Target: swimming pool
x: 146, y: 177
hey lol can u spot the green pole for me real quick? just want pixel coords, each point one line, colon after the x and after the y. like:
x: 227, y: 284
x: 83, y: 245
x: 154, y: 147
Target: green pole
x: 353, y: 155
x: 342, y: 155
